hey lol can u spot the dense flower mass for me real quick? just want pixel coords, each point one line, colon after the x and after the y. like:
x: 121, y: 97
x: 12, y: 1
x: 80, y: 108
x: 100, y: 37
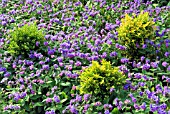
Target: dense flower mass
x: 48, y: 49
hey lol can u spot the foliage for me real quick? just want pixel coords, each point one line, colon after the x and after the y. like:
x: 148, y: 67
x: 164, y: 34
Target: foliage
x: 160, y: 3
x: 99, y: 79
x: 23, y: 40
x: 134, y: 31
x: 78, y: 32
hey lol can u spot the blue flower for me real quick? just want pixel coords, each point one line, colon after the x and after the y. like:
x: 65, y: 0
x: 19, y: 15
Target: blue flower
x: 73, y: 110
x: 153, y: 107
x: 113, y: 54
x: 45, y: 67
x: 141, y: 93
x: 86, y: 97
x: 78, y: 98
x: 124, y: 60
x: 86, y: 106
x: 163, y: 106
x: 143, y: 106
x: 136, y: 106
x: 106, y: 112
x: 146, y: 67
x: 126, y: 86
x: 56, y: 99
x: 7, y: 74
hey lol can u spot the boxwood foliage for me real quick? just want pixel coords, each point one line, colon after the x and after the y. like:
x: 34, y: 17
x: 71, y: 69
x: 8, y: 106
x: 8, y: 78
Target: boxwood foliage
x: 135, y: 31
x: 23, y: 39
x: 99, y: 79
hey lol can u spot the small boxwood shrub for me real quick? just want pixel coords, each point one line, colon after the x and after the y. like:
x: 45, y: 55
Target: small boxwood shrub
x: 135, y: 30
x: 99, y: 79
x: 23, y: 40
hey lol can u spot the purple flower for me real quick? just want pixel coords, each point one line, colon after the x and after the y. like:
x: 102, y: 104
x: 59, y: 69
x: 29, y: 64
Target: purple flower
x: 78, y: 98
x: 138, y: 75
x: 123, y: 68
x: 126, y: 86
x: 97, y: 42
x: 56, y: 99
x: 153, y: 107
x: 120, y: 105
x: 86, y: 97
x: 168, y: 69
x: 86, y: 106
x: 106, y: 112
x: 146, y: 66
x: 116, y: 101
x: 144, y: 46
x: 37, y: 43
x: 48, y: 100
x: 51, y: 51
x: 154, y: 64
x: 141, y: 93
x: 124, y: 60
x: 23, y: 94
x: 149, y: 94
x: 78, y: 63
x: 97, y: 103
x: 7, y: 74
x: 45, y: 67
x: 142, y: 84
x: 50, y: 112
x: 163, y: 106
x: 155, y: 98
x: 145, y: 77
x: 127, y: 101
x: 46, y: 43
x: 4, y: 23
x: 29, y: 1
x: 113, y: 54
x: 16, y: 96
x: 167, y: 54
x: 2, y: 69
x: 134, y: 99
x: 73, y: 110
x: 142, y: 58
x: 104, y: 55
x: 60, y: 59
x: 111, y: 90
x: 164, y: 64
x: 55, y: 66
x: 136, y: 106
x: 161, y: 111
x: 138, y: 65
x: 143, y: 106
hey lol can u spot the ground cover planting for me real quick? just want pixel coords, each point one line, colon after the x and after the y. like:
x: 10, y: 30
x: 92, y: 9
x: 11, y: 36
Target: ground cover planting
x: 84, y: 57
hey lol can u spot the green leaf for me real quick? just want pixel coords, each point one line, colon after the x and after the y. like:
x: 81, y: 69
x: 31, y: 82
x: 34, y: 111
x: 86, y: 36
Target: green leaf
x: 127, y: 113
x: 49, y: 82
x: 99, y: 108
x: 34, y: 97
x: 66, y: 84
x: 164, y: 99
x: 39, y: 90
x: 59, y: 106
x: 38, y: 104
x: 63, y: 100
x: 115, y: 111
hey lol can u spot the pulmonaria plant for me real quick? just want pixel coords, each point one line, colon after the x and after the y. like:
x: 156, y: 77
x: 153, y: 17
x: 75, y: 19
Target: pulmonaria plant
x: 99, y: 79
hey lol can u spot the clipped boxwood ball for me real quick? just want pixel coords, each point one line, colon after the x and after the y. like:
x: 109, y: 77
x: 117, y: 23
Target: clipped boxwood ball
x: 23, y: 40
